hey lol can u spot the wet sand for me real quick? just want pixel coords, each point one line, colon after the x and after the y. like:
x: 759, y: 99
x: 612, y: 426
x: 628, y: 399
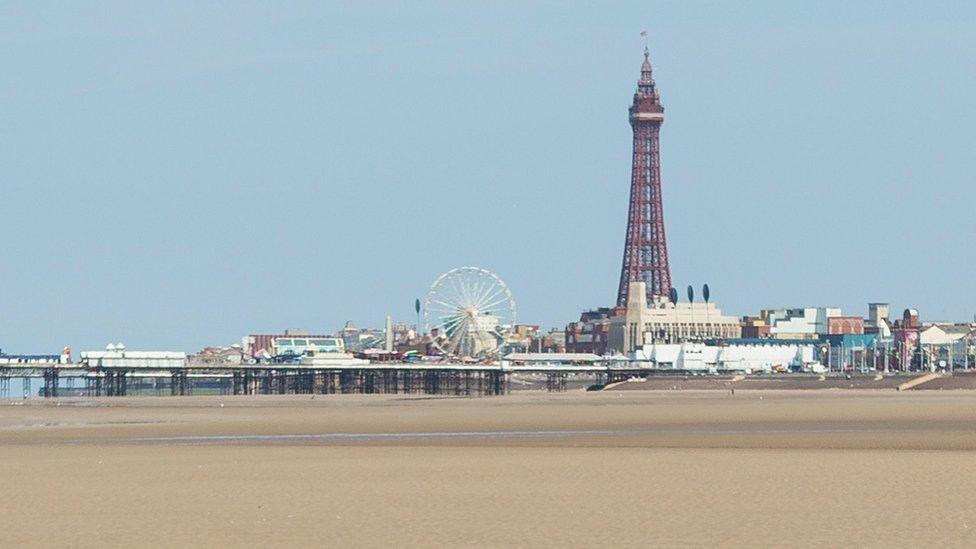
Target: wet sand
x: 613, y: 468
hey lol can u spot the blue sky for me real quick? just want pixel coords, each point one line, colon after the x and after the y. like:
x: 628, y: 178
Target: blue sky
x: 178, y: 175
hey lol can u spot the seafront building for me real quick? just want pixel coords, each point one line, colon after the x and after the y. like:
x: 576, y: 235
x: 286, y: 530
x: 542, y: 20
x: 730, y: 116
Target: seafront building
x: 878, y: 321
x: 591, y: 333
x: 809, y: 322
x: 664, y: 321
x: 295, y: 341
x: 741, y: 358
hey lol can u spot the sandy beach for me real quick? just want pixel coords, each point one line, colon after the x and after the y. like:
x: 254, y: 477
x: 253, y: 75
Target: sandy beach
x: 612, y: 468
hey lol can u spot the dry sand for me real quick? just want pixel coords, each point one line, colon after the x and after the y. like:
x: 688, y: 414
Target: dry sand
x: 613, y: 468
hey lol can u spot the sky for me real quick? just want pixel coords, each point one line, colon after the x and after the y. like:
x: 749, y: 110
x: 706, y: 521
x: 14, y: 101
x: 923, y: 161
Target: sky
x: 176, y: 175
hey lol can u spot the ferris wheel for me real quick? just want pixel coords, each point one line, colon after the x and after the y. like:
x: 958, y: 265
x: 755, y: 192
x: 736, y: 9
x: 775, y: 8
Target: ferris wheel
x: 468, y: 312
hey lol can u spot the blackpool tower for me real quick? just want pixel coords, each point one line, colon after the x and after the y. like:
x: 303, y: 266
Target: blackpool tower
x: 645, y: 248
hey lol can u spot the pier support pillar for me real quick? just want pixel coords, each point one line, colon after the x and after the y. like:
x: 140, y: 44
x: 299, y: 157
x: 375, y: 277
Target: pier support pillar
x: 50, y: 383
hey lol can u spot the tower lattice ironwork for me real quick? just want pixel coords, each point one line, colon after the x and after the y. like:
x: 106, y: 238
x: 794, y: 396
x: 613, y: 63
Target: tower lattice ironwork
x: 645, y: 248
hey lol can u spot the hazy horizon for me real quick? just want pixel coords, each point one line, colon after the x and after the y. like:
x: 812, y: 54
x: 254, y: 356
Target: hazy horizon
x: 181, y: 176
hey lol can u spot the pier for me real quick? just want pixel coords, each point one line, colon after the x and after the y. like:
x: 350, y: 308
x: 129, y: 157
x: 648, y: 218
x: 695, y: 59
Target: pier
x: 57, y: 379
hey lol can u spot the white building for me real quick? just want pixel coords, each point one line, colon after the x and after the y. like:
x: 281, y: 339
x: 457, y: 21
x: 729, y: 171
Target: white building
x: 945, y: 334
x: 800, y: 323
x: 733, y: 358
x: 948, y: 345
x: 878, y: 314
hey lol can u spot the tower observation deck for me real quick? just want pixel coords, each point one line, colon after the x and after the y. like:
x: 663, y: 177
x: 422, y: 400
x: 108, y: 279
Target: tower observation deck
x: 645, y: 247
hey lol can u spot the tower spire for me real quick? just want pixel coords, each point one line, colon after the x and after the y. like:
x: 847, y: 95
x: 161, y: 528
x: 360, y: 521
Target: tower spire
x: 646, y: 83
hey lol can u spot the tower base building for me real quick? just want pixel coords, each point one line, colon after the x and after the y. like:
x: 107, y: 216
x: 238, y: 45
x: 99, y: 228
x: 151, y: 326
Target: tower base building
x: 662, y: 321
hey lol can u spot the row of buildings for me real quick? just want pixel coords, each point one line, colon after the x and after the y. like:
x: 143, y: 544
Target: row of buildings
x: 663, y: 334
x: 643, y: 331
